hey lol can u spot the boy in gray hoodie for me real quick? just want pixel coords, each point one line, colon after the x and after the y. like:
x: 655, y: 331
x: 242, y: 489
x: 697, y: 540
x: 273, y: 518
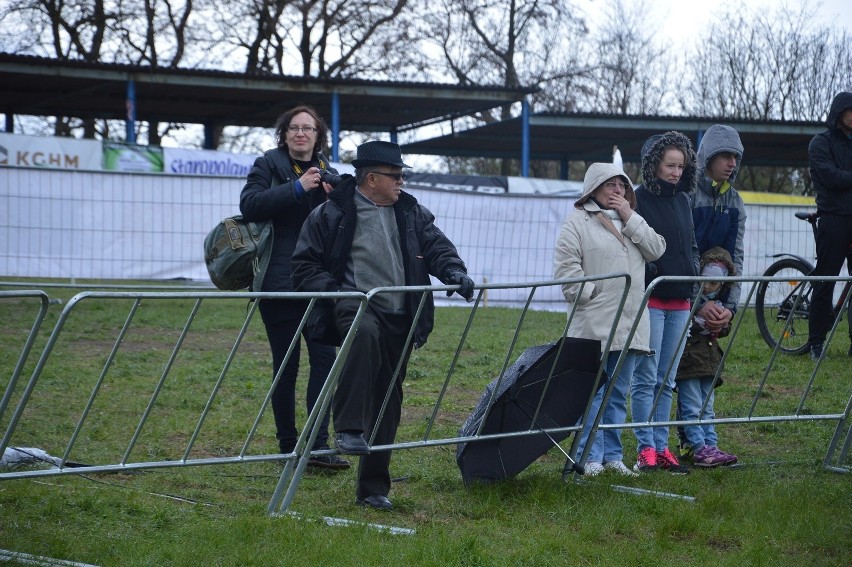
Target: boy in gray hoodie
x: 719, y: 217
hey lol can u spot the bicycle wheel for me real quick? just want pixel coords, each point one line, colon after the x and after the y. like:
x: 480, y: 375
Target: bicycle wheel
x: 781, y: 307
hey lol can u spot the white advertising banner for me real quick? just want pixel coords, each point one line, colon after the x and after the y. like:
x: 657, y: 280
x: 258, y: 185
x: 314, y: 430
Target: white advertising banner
x: 108, y: 225
x: 206, y: 162
x: 49, y: 151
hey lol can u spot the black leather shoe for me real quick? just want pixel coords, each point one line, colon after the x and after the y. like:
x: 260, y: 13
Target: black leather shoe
x: 332, y: 462
x: 351, y: 443
x: 816, y: 351
x: 375, y: 501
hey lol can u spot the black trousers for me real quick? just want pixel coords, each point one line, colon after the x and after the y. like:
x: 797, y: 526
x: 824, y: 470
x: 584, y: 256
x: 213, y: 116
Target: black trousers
x: 833, y: 238
x: 281, y: 318
x: 376, y: 351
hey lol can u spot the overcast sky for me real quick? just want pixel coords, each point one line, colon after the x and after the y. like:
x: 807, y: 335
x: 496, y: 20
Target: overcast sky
x: 682, y: 20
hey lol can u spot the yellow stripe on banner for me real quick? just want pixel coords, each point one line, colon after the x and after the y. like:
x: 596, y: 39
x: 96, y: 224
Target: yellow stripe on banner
x: 756, y: 198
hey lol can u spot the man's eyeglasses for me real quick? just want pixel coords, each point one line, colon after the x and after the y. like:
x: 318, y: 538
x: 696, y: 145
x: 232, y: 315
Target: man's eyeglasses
x: 304, y: 129
x: 395, y: 176
x: 615, y: 184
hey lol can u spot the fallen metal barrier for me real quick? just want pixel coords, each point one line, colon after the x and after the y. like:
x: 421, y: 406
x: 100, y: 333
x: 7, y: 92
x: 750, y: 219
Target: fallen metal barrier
x: 296, y: 462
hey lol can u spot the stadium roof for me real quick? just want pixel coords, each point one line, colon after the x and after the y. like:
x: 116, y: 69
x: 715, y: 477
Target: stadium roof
x: 591, y: 137
x: 52, y: 87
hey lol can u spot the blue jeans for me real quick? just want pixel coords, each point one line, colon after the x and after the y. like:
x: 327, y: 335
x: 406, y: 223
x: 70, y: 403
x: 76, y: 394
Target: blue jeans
x: 650, y: 378
x: 606, y: 445
x: 691, y: 394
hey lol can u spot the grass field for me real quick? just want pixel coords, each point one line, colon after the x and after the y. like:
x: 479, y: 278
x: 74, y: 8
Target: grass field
x: 779, y: 507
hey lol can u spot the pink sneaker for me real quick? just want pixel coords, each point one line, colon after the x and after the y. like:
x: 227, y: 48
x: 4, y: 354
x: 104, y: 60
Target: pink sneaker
x: 646, y: 460
x: 668, y: 462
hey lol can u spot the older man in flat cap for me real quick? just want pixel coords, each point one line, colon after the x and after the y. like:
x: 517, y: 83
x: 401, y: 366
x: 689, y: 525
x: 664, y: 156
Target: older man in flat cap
x: 372, y: 234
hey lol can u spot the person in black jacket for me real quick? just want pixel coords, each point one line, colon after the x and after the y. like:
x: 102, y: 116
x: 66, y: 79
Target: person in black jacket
x: 668, y: 174
x: 372, y: 234
x: 830, y: 162
x: 284, y: 185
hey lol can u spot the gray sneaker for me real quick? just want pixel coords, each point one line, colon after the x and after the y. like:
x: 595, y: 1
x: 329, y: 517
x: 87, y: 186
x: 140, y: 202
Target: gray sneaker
x: 593, y: 469
x: 620, y: 468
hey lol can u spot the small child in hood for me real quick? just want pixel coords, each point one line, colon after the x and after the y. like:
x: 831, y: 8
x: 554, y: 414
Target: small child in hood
x: 696, y: 374
x: 710, y: 290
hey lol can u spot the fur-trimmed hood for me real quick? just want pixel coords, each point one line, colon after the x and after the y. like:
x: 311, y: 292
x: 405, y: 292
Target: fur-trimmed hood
x: 597, y: 174
x: 652, y: 154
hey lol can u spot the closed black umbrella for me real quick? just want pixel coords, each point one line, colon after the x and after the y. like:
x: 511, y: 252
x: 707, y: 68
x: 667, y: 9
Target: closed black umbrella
x: 515, y: 402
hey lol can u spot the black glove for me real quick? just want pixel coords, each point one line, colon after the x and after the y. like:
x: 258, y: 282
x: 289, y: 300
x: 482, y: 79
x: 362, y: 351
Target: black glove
x: 461, y: 279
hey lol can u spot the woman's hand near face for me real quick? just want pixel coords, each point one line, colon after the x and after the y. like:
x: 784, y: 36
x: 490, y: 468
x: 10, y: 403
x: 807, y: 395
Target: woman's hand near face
x: 619, y: 203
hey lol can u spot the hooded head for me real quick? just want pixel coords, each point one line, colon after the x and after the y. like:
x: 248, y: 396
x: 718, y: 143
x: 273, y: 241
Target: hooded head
x: 653, y: 151
x: 716, y: 140
x: 842, y: 101
x: 716, y: 262
x: 597, y: 174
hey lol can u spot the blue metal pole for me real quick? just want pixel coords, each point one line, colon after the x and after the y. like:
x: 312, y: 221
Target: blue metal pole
x: 525, y: 138
x: 393, y: 135
x: 335, y: 126
x: 209, y: 137
x: 130, y: 121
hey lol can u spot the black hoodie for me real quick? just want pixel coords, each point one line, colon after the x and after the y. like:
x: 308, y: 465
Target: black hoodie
x: 830, y: 161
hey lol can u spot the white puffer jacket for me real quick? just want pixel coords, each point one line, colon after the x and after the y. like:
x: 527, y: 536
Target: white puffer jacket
x: 588, y: 246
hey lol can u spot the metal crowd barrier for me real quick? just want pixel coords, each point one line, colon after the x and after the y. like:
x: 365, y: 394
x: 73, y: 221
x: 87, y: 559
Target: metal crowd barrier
x: 44, y: 302
x: 294, y: 470
x: 296, y: 462
x: 841, y: 441
x: 121, y: 340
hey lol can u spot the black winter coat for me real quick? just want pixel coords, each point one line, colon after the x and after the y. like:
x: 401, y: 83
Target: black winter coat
x: 670, y: 215
x: 270, y: 193
x: 325, y: 242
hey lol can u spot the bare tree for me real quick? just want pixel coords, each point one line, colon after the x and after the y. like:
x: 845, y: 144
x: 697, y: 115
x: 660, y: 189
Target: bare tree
x: 315, y: 38
x: 147, y: 32
x: 511, y: 43
x: 630, y: 70
x: 63, y: 30
x: 778, y: 66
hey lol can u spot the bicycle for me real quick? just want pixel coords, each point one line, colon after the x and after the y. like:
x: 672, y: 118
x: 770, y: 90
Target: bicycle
x: 782, y: 307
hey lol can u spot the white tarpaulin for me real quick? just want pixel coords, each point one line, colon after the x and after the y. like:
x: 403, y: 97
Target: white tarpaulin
x: 104, y: 225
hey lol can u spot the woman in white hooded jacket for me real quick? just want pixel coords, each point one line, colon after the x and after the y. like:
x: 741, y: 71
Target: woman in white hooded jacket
x: 604, y: 236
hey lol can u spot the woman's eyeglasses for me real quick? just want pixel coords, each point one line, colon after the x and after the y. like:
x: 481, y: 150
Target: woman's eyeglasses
x: 395, y: 176
x: 614, y: 184
x: 304, y: 129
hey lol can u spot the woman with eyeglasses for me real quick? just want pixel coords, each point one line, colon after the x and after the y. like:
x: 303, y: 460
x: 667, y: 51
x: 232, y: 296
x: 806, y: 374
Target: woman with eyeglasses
x: 668, y: 176
x: 604, y: 235
x: 284, y: 185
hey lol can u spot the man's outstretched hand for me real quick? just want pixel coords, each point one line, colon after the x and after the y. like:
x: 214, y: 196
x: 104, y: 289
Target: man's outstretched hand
x: 464, y: 282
